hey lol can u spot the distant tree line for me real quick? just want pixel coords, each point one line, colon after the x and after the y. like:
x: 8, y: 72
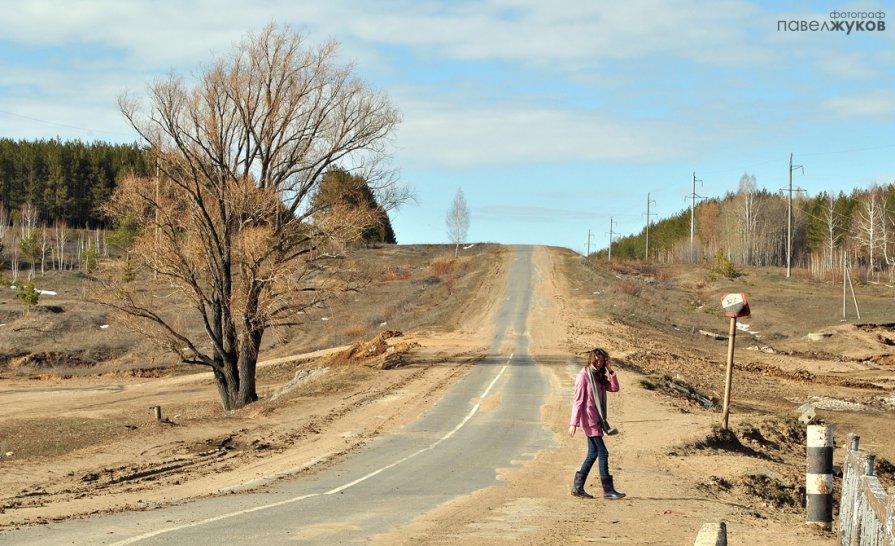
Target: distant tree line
x: 749, y: 227
x: 52, y: 192
x: 65, y: 181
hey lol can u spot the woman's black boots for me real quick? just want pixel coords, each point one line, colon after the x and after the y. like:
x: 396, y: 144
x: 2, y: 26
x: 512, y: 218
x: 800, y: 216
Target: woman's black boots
x: 578, y: 486
x: 609, y: 491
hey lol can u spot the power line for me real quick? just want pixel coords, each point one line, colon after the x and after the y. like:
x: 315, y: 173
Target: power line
x: 752, y: 165
x: 82, y: 129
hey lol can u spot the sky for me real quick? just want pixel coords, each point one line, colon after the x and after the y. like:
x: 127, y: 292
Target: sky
x: 556, y: 119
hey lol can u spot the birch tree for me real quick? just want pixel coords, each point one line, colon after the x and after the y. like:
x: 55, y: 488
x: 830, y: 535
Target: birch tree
x: 458, y: 221
x: 869, y: 218
x: 750, y: 209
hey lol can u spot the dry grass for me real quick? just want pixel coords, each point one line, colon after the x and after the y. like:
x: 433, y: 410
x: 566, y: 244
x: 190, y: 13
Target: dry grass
x: 58, y: 436
x: 630, y: 287
x: 64, y: 336
x: 443, y: 266
x: 397, y: 274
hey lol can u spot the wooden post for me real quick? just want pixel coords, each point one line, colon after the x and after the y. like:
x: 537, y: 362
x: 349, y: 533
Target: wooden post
x: 729, y: 376
x: 157, y: 411
x: 735, y: 305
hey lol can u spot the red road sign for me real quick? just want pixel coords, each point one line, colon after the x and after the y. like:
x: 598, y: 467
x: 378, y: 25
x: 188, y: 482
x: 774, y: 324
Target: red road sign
x: 735, y: 305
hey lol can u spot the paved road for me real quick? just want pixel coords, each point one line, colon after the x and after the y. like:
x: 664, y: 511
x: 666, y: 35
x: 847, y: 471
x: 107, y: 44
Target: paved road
x: 454, y: 449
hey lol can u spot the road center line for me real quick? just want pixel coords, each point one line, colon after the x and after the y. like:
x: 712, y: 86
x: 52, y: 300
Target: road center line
x: 466, y: 419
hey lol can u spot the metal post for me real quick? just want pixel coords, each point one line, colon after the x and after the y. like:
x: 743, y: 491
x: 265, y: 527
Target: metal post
x: 869, y: 463
x: 819, y: 477
x: 728, y: 379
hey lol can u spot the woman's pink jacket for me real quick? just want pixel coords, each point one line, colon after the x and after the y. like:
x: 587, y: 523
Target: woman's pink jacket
x: 584, y: 411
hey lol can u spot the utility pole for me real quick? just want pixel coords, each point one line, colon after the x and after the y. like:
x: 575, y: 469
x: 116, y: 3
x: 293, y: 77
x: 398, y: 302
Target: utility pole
x: 611, y: 233
x: 789, y: 218
x: 648, y: 201
x: 157, y: 183
x: 588, y: 244
x: 693, y: 197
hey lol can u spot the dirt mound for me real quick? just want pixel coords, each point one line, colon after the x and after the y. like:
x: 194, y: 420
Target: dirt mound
x: 766, y: 439
x: 771, y: 482
x: 141, y: 372
x: 375, y: 353
x: 677, y: 387
x: 46, y: 361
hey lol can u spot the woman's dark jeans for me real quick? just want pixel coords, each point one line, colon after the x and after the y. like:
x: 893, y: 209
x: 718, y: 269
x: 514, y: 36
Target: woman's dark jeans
x: 596, y: 448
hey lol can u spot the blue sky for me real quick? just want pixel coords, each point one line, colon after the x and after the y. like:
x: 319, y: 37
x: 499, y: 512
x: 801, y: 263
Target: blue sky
x: 551, y: 117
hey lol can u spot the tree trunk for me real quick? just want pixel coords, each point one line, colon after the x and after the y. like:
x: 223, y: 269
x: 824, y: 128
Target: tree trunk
x: 224, y: 389
x: 248, y: 360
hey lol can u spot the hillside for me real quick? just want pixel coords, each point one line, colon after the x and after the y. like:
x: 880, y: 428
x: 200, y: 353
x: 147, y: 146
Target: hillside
x: 81, y: 438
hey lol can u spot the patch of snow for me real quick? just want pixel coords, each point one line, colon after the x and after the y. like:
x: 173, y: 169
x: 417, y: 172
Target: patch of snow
x: 468, y: 247
x: 380, y: 325
x: 324, y: 318
x: 823, y: 402
x: 41, y: 292
x: 742, y: 326
x: 103, y: 326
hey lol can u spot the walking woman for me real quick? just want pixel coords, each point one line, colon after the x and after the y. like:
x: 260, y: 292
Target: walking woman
x: 589, y: 413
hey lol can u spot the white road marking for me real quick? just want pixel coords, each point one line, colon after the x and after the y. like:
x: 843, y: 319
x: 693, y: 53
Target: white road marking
x: 465, y: 420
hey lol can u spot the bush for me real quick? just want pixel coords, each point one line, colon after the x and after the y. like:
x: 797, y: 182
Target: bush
x: 90, y: 259
x: 723, y: 266
x: 631, y: 287
x: 442, y: 266
x: 397, y: 274
x: 27, y: 293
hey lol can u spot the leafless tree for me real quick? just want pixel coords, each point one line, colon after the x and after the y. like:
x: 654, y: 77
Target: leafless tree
x: 869, y: 218
x: 750, y: 206
x: 231, y: 223
x: 4, y: 225
x: 458, y: 221
x: 833, y: 229
x: 44, y: 247
x: 27, y: 220
x: 60, y: 235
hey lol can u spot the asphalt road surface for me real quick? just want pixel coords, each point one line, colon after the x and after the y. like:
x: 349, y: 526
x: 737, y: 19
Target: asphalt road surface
x: 454, y: 449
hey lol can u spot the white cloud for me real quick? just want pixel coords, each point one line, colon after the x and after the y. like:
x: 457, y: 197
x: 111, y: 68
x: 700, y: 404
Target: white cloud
x: 533, y: 32
x: 454, y: 135
x: 879, y: 103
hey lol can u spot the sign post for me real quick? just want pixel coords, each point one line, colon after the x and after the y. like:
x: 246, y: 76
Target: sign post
x: 735, y: 306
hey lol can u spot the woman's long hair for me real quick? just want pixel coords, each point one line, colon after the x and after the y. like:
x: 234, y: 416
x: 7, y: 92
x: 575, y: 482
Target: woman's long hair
x: 594, y: 357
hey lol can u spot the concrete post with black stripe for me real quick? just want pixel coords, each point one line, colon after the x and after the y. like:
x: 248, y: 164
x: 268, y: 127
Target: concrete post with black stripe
x: 819, y: 478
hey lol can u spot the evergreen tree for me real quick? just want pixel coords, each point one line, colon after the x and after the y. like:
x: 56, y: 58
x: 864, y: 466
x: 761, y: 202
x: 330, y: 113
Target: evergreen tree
x: 339, y: 187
